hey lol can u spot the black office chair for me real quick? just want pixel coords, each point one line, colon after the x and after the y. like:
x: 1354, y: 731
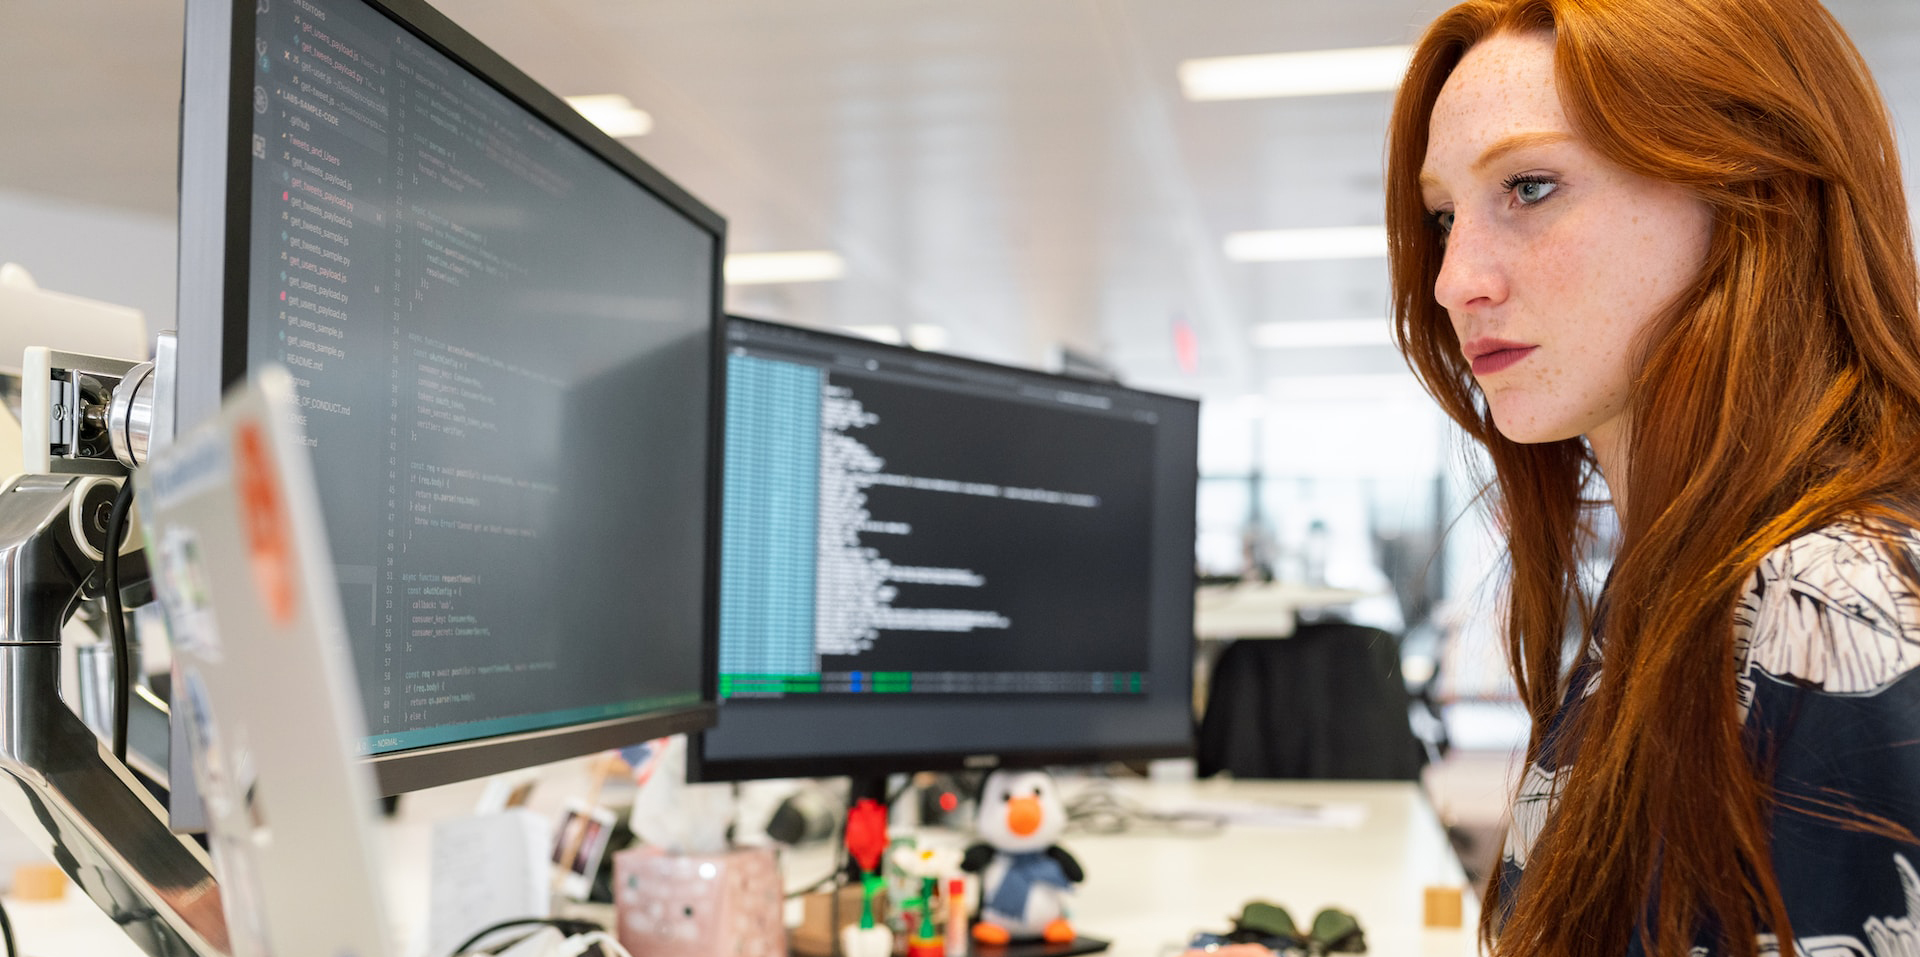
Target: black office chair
x: 1327, y: 702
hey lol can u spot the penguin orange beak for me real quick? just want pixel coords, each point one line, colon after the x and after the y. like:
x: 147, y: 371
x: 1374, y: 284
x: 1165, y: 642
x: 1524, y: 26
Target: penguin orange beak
x: 1023, y: 815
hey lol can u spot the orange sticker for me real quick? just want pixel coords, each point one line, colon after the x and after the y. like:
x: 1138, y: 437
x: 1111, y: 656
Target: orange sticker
x: 264, y: 514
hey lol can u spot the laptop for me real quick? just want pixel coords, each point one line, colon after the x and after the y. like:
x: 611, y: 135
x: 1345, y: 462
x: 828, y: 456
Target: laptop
x: 264, y: 679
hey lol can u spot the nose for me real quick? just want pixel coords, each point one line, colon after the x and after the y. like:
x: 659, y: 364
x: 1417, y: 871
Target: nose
x: 1472, y: 271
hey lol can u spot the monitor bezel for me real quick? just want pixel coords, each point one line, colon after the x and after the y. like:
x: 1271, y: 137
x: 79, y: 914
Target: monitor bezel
x: 215, y: 216
x: 702, y: 768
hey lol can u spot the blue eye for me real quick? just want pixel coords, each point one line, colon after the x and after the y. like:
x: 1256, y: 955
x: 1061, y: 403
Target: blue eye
x: 1529, y: 189
x: 1442, y: 220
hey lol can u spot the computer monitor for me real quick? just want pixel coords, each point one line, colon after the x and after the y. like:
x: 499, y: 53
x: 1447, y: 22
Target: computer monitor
x: 504, y: 331
x: 933, y: 563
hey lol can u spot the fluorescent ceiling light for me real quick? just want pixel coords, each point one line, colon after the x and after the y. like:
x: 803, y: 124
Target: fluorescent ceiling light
x: 887, y: 334
x: 1289, y: 245
x: 927, y: 338
x: 614, y: 114
x: 1308, y: 73
x: 1322, y: 333
x: 816, y: 265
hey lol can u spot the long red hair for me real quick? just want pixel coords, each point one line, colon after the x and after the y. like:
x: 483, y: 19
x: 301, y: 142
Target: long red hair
x: 1780, y: 393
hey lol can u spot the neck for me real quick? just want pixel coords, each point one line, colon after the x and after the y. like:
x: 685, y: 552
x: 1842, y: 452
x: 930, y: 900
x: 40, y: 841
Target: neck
x: 1609, y: 444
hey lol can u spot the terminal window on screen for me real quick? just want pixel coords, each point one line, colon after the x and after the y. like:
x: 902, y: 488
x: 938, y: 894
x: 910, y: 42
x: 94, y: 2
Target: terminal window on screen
x: 898, y: 537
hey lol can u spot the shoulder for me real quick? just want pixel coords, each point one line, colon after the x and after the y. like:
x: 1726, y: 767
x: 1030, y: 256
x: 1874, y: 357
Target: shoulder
x: 1831, y: 608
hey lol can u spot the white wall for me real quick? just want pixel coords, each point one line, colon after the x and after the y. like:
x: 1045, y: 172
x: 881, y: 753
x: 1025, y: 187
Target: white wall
x: 120, y: 257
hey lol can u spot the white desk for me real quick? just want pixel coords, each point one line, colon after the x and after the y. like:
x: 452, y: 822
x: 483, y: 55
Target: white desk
x: 70, y: 926
x: 1261, y: 609
x: 1146, y: 890
x: 1149, y: 889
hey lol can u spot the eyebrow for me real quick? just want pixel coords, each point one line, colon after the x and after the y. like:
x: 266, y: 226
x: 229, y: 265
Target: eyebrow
x: 1505, y: 145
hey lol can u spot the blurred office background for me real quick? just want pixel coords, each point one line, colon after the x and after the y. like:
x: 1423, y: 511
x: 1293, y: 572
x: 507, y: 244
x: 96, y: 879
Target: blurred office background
x: 1042, y: 182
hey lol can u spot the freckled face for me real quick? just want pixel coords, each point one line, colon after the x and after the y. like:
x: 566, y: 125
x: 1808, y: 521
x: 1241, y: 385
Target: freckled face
x: 1556, y: 260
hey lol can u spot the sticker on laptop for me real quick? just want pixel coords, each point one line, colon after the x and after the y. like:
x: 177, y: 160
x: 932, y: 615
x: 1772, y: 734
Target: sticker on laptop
x: 263, y: 514
x: 190, y: 620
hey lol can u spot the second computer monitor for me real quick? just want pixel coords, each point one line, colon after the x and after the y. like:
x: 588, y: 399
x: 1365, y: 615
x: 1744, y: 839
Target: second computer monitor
x: 930, y: 562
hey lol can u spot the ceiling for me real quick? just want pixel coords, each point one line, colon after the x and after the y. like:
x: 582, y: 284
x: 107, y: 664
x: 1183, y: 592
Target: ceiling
x: 1022, y: 174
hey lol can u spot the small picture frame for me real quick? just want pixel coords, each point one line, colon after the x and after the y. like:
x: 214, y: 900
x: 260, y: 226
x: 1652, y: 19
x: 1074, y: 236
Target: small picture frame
x: 578, y: 845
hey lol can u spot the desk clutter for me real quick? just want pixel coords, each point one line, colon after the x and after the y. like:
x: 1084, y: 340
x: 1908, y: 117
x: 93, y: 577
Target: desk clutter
x: 1151, y: 886
x: 905, y: 893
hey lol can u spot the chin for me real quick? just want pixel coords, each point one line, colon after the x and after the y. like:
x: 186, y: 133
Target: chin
x: 1531, y: 430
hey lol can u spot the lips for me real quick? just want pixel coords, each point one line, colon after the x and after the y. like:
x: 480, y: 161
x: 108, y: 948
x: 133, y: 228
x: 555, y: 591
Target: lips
x: 1494, y: 355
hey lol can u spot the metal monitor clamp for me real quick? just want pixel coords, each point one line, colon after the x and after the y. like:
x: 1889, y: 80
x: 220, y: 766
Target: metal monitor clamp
x: 93, y: 415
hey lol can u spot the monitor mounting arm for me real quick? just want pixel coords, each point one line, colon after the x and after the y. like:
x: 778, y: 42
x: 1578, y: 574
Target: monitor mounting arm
x: 59, y: 783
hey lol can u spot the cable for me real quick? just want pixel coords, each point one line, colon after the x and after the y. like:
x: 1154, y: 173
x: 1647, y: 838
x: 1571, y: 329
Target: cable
x: 566, y: 926
x: 117, y: 619
x: 6, y: 931
x: 836, y: 878
x: 1102, y: 810
x: 578, y: 944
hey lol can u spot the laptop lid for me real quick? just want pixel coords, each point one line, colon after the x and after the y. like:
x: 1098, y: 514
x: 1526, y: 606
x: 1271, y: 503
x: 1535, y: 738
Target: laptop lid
x: 264, y: 679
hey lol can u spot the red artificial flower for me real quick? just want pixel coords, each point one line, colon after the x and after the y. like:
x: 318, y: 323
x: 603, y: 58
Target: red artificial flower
x: 867, y: 833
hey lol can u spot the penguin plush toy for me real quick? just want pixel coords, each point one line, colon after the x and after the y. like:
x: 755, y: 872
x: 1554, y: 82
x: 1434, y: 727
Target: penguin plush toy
x: 1025, y: 878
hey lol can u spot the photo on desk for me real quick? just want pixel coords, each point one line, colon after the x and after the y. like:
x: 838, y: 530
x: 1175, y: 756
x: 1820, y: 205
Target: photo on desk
x: 578, y: 845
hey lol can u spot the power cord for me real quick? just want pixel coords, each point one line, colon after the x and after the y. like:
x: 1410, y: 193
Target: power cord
x: 1102, y: 810
x: 579, y: 943
x: 566, y: 925
x: 835, y: 879
x: 117, y: 619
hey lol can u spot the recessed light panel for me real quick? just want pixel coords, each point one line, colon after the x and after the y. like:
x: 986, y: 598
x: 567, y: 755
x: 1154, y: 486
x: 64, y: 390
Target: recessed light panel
x: 614, y: 114
x: 1307, y: 73
x: 1290, y: 245
x: 814, y: 265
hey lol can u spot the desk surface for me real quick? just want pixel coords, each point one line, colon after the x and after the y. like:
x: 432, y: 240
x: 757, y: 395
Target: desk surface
x: 1148, y: 892
x: 1374, y: 851
x: 1261, y: 609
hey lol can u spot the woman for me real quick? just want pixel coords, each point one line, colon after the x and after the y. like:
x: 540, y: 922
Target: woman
x: 1664, y: 243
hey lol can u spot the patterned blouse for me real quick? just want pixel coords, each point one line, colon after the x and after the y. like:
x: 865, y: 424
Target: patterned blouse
x: 1828, y: 636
